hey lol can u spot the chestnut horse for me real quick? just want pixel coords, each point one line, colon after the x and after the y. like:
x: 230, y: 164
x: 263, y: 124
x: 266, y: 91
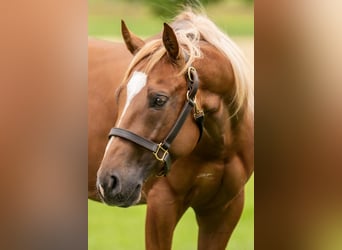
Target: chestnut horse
x: 182, y: 132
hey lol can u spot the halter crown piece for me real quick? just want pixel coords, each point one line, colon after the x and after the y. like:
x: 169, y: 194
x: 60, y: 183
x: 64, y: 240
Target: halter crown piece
x: 161, y: 150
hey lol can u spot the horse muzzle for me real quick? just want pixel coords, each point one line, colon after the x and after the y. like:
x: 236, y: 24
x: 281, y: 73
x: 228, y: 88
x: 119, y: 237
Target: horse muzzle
x: 115, y: 191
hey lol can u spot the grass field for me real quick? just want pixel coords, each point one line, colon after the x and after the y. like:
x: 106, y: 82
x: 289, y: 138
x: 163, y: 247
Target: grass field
x: 112, y: 228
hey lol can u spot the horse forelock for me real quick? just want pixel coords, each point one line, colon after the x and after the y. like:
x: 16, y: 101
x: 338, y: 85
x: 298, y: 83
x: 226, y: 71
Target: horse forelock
x: 190, y: 28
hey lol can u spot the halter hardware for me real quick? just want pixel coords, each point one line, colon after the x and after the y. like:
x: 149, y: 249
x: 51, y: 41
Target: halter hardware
x: 191, y: 101
x: 161, y: 150
x: 198, y: 113
x: 191, y: 71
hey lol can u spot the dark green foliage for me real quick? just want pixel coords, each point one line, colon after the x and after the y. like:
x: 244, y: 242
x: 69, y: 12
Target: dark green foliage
x: 168, y: 8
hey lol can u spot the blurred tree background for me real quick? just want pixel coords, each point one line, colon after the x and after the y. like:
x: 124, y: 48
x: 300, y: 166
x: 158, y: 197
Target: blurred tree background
x: 169, y: 7
x: 145, y: 17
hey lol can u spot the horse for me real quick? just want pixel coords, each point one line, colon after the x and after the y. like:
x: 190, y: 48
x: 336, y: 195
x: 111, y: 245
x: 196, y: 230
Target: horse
x: 180, y: 120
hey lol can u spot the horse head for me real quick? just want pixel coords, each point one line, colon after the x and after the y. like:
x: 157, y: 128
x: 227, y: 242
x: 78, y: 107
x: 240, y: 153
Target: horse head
x: 156, y: 103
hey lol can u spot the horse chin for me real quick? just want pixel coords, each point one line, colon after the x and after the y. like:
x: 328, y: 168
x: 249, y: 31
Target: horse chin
x: 121, y: 200
x: 130, y: 202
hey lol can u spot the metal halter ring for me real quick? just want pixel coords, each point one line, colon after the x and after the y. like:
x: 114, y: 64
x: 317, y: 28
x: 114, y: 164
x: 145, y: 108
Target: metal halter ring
x: 191, y: 71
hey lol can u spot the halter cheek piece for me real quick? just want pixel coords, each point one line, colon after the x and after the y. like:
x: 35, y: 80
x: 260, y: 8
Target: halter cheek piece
x: 161, y: 150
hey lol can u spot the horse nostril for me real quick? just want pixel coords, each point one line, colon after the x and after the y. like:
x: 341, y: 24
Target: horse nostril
x: 109, y: 185
x: 113, y: 182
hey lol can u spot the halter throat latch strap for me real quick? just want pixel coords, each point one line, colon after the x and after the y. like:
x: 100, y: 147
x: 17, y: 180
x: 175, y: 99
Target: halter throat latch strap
x: 161, y: 150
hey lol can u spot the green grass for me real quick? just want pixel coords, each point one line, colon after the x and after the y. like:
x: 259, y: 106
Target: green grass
x: 111, y: 228
x: 104, y: 17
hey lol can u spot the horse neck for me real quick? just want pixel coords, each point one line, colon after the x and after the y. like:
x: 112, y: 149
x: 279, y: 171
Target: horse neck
x: 219, y: 128
x: 217, y: 85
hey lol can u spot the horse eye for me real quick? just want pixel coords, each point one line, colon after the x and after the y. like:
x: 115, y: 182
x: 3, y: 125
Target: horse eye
x: 158, y: 101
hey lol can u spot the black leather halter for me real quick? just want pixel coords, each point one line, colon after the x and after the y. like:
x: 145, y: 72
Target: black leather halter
x: 161, y: 150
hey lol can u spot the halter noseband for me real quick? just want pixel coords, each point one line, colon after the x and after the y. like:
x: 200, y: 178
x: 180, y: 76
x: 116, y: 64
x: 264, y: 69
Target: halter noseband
x: 161, y: 150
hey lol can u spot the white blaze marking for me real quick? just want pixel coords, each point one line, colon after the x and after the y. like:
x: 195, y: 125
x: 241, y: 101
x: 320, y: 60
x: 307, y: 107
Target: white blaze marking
x: 108, y: 145
x: 134, y: 86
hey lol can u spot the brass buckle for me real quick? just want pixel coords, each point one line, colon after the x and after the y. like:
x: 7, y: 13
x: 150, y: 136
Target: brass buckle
x: 164, y: 153
x: 198, y: 113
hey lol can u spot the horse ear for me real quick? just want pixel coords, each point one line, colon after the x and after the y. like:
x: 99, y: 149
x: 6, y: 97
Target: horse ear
x: 133, y: 43
x: 170, y: 42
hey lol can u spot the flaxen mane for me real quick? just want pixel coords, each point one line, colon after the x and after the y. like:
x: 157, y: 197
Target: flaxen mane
x: 190, y: 28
